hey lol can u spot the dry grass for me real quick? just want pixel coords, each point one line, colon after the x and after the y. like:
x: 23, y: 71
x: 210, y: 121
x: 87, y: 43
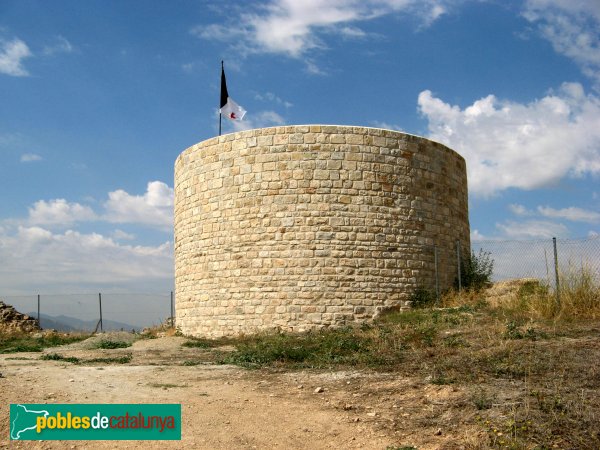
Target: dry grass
x: 532, y: 299
x: 523, y: 370
x: 528, y: 367
x: 19, y: 341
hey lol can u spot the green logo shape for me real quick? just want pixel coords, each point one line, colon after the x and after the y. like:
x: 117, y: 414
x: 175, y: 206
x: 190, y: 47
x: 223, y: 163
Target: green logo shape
x: 95, y: 422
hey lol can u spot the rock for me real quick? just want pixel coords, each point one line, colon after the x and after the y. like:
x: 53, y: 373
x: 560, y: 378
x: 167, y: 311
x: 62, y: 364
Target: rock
x: 319, y: 390
x: 348, y: 407
x: 13, y: 320
x: 438, y: 432
x: 372, y: 414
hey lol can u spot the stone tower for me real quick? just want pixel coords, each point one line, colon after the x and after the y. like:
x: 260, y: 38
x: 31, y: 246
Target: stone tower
x: 303, y: 227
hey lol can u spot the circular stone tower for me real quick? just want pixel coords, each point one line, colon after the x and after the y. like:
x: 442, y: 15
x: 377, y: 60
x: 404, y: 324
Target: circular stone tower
x: 302, y: 227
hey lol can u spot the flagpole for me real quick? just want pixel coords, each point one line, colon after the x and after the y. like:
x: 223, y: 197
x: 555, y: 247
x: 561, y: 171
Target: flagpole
x: 222, y: 69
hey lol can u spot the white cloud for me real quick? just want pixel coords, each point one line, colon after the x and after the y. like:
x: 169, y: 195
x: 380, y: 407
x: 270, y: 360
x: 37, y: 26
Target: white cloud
x: 36, y: 259
x: 59, y: 212
x: 532, y: 229
x: 477, y: 236
x: 573, y: 214
x: 386, y: 125
x: 270, y: 97
x: 217, y: 32
x: 154, y: 207
x: 79, y: 166
x: 61, y: 45
x: 10, y: 139
x: 11, y: 55
x: 435, y: 13
x: 30, y: 157
x: 295, y: 27
x: 261, y: 119
x: 572, y: 27
x: 121, y: 235
x: 519, y: 210
x: 313, y: 69
x: 514, y: 145
x: 352, y: 32
x: 290, y: 26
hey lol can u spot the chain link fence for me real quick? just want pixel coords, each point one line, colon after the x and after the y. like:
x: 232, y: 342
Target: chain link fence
x: 547, y: 260
x: 96, y: 312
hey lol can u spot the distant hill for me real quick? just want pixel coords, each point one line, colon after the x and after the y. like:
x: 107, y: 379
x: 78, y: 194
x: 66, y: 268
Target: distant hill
x: 66, y: 323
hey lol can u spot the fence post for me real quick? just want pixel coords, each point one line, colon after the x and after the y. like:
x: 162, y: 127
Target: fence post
x: 38, y: 317
x: 458, y: 265
x: 556, y: 272
x: 100, y: 302
x: 172, y: 319
x: 437, y: 277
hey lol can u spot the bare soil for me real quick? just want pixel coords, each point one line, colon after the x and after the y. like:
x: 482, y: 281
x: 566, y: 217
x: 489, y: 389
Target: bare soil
x: 226, y: 407
x: 476, y: 383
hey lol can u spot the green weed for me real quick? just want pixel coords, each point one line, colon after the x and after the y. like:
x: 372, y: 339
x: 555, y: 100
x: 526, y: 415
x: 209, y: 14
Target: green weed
x: 57, y: 357
x: 15, y: 343
x: 116, y: 360
x: 108, y: 344
x: 199, y: 343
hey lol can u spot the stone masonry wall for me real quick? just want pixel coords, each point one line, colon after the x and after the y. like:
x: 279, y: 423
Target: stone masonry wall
x: 302, y: 227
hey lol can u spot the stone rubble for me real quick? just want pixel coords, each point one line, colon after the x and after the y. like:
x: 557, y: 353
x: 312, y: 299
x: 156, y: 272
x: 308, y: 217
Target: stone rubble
x: 12, y: 320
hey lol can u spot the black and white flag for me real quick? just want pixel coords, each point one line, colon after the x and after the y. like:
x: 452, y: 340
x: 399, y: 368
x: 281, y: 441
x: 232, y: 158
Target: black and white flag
x: 228, y: 107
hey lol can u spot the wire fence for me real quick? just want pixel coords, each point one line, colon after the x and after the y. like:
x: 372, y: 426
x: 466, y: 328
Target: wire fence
x: 96, y: 312
x: 547, y: 260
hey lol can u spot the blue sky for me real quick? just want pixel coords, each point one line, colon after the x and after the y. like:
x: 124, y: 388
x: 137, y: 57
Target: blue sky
x: 98, y: 98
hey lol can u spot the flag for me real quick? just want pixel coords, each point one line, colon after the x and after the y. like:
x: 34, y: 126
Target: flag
x: 228, y: 107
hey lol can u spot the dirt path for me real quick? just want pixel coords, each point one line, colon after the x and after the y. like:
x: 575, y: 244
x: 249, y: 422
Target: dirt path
x: 223, y: 407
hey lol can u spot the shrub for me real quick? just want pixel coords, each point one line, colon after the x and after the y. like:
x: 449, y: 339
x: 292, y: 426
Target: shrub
x: 476, y: 271
x: 422, y: 298
x: 109, y: 345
